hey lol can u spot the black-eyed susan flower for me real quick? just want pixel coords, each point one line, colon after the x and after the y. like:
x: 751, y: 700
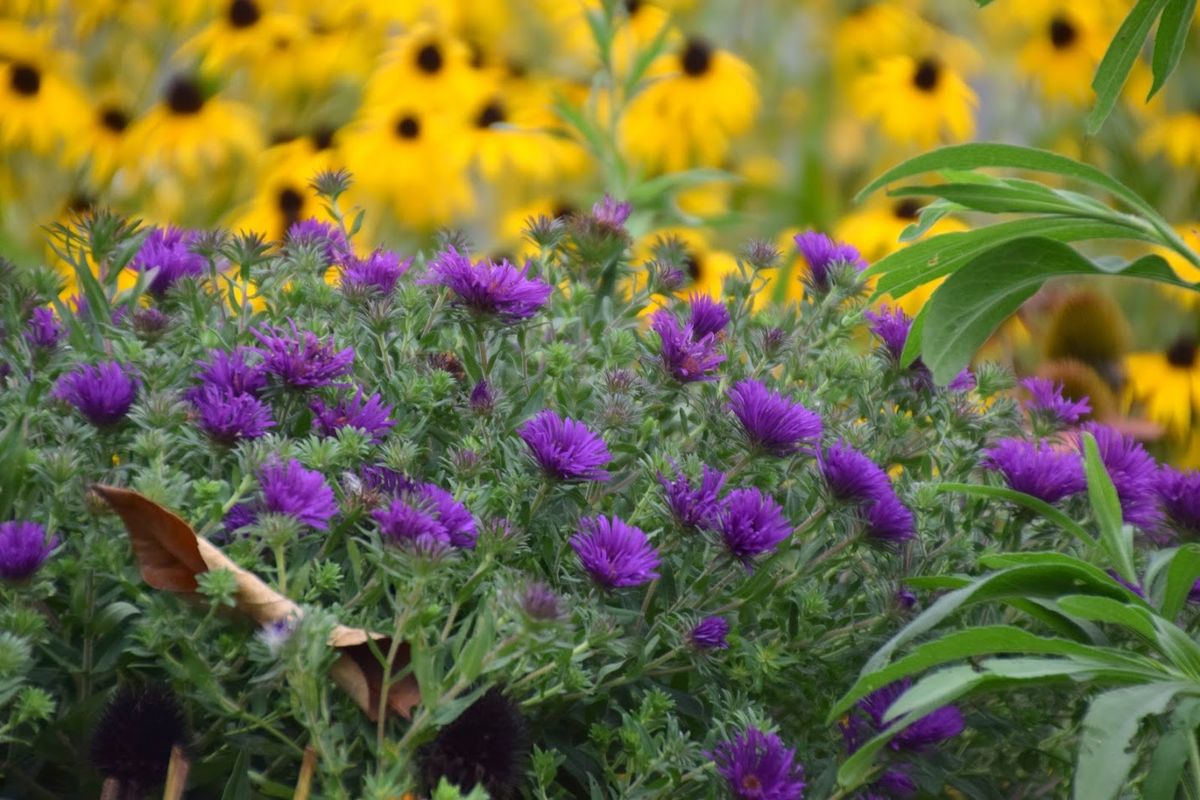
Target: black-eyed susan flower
x: 190, y: 133
x: 425, y: 70
x: 415, y: 162
x: 921, y: 100
x: 513, y: 136
x: 695, y: 101
x: 38, y: 104
x: 1066, y: 42
x: 103, y: 141
x: 284, y: 196
x: 1166, y: 384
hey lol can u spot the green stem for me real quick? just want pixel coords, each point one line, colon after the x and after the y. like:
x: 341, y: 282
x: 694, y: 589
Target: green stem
x: 281, y: 568
x: 1194, y: 759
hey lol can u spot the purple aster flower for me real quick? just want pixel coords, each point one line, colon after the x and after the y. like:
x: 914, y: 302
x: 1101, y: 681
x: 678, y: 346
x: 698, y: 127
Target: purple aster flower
x: 23, y: 549
x: 685, y: 356
x: 312, y: 232
x: 892, y: 784
x: 428, y: 517
x: 102, y: 392
x: 889, y: 522
x: 482, y: 399
x: 486, y: 287
x: 710, y: 633
x: 706, y: 316
x: 1134, y: 473
x: 564, y: 448
x: 693, y: 507
x: 1046, y: 401
x: 936, y: 726
x: 169, y: 251
x: 371, y: 416
x: 906, y: 598
x: 150, y: 322
x: 772, y: 422
x: 45, y: 331
x: 615, y: 554
x: 1179, y: 494
x: 232, y: 371
x: 610, y: 213
x: 964, y: 381
x: 240, y: 515
x: 1037, y: 469
x: 850, y: 475
x: 385, y: 481
x: 301, y: 360
x: 539, y: 602
x: 750, y: 523
x: 824, y: 255
x: 379, y: 271
x: 756, y: 766
x: 227, y: 417
x: 293, y: 491
x: 891, y: 326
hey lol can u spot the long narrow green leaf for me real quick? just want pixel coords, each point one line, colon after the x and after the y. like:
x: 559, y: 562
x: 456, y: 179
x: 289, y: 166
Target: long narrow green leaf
x: 1118, y: 59
x: 1106, y: 609
x: 1000, y: 198
x: 1166, y: 764
x: 1020, y: 498
x: 1116, y: 539
x: 1182, y: 572
x: 971, y: 304
x: 993, y: 154
x: 1109, y: 726
x: 1170, y: 40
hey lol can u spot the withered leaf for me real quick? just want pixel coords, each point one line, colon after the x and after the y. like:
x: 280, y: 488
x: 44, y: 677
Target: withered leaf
x: 170, y: 555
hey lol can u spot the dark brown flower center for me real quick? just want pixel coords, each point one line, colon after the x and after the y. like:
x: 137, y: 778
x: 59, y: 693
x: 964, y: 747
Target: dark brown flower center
x: 244, y: 13
x: 928, y: 73
x: 1062, y: 33
x: 25, y: 79
x: 183, y: 96
x: 290, y: 202
x: 751, y: 783
x: 492, y: 114
x: 322, y: 138
x: 114, y: 119
x: 408, y: 127
x: 696, y: 58
x: 1182, y: 353
x: 563, y: 209
x: 908, y: 208
x: 80, y: 203
x: 429, y: 59
x: 632, y: 6
x: 691, y: 265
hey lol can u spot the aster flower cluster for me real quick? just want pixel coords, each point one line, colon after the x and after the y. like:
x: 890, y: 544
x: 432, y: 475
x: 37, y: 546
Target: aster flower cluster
x: 854, y: 478
x: 689, y: 351
x: 825, y: 256
x: 488, y: 288
x: 170, y: 253
x: 226, y: 403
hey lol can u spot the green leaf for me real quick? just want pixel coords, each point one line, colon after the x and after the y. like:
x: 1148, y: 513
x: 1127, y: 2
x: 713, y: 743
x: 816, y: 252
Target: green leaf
x: 238, y: 785
x: 1106, y: 609
x: 1166, y: 764
x: 1116, y: 539
x: 992, y: 154
x: 1182, y: 572
x: 1110, y: 724
x: 1030, y: 580
x: 1000, y: 197
x: 971, y: 304
x: 1169, y: 41
x: 921, y: 262
x: 1020, y: 498
x: 912, y: 345
x: 1179, y: 647
x: 1118, y: 60
x: 973, y: 642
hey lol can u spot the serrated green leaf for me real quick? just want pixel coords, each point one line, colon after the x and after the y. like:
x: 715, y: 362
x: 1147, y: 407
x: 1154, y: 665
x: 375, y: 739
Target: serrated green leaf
x: 1118, y: 60
x: 1109, y: 726
x: 971, y: 304
x: 1170, y: 40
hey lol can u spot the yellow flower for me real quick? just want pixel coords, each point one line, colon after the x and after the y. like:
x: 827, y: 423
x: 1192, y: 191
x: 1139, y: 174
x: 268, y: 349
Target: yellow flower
x: 917, y: 101
x: 512, y: 136
x: 424, y: 70
x: 695, y: 101
x: 193, y: 135
x: 417, y: 163
x: 1186, y: 270
x: 1177, y: 137
x: 875, y: 31
x: 1167, y: 385
x: 38, y: 105
x: 705, y: 268
x: 283, y: 193
x: 103, y: 142
x: 1065, y: 47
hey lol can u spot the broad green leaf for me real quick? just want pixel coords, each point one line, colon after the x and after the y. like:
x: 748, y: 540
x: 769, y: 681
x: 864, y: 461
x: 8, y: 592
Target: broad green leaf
x: 1179, y: 647
x: 973, y: 642
x: 1116, y: 539
x: 1020, y: 498
x: 971, y: 304
x: 1169, y: 41
x: 993, y: 154
x: 931, y: 215
x: 1182, y: 572
x: 238, y: 785
x: 1106, y: 609
x: 927, y: 260
x: 1166, y: 764
x: 1112, y: 720
x: 1031, y: 580
x: 1118, y: 60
